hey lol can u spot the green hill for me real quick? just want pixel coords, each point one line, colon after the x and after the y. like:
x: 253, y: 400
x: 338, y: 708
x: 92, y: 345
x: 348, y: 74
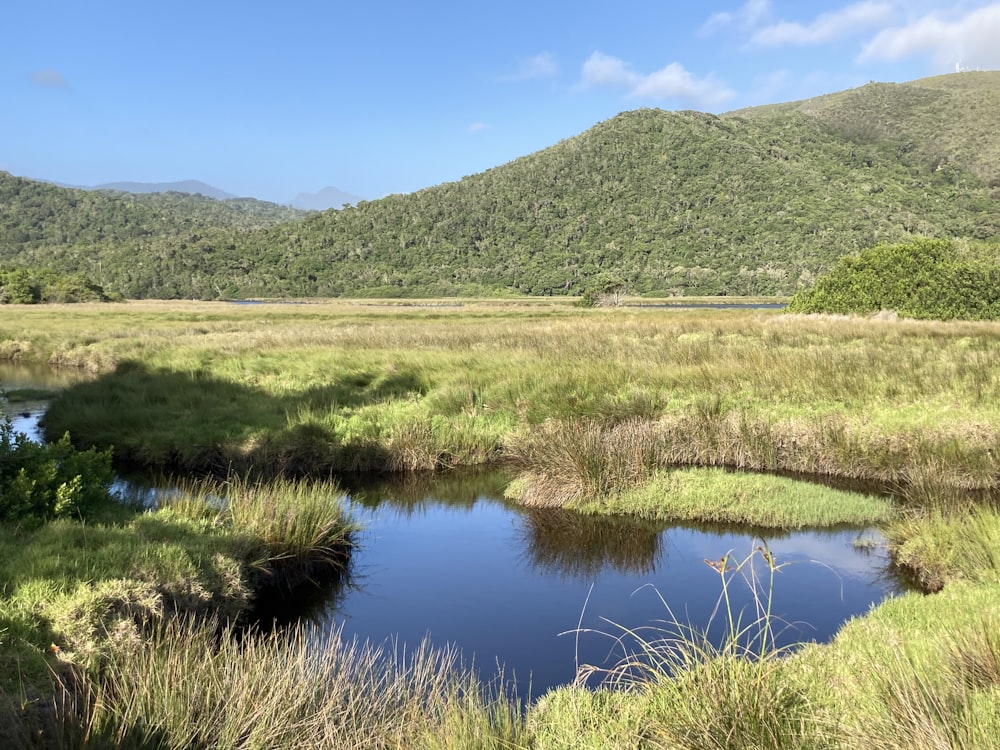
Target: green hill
x: 951, y: 120
x: 753, y: 202
x: 139, y: 245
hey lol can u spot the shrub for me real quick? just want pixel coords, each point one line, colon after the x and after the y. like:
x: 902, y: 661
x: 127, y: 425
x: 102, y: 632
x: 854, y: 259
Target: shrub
x: 40, y: 482
x: 925, y: 278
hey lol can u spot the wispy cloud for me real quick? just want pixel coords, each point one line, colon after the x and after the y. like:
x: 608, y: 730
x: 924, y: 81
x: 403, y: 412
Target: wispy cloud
x: 670, y: 82
x: 477, y: 127
x: 825, y: 27
x: 968, y: 41
x: 50, y: 79
x: 748, y: 16
x: 542, y: 65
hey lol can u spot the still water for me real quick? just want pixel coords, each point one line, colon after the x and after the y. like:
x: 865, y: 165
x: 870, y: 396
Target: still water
x: 542, y: 592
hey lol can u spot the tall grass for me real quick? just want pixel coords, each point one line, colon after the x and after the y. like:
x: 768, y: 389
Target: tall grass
x: 954, y: 708
x: 211, y: 551
x: 338, y: 386
x: 193, y: 688
x: 941, y: 546
x: 287, y: 528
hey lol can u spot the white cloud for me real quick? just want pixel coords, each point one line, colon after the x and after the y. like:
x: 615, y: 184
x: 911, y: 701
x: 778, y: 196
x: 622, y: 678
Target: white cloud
x: 673, y: 81
x: 542, y: 65
x: 478, y: 127
x: 607, y: 70
x: 825, y: 27
x: 969, y: 41
x: 751, y: 14
x: 50, y: 79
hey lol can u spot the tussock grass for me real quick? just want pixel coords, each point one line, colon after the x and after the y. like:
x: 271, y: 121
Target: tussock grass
x: 192, y: 687
x: 915, y: 673
x: 571, y: 461
x: 939, y: 547
x: 288, y: 528
x: 82, y: 586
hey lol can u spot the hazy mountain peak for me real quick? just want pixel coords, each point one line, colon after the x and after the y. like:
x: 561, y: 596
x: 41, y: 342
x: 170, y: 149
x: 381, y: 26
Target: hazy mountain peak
x: 328, y: 197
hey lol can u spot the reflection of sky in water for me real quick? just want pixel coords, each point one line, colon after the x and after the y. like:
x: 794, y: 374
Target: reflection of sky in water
x: 477, y: 574
x: 24, y: 420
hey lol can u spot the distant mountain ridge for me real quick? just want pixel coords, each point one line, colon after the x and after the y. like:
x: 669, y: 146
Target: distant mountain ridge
x: 758, y: 201
x: 192, y: 187
x: 328, y: 197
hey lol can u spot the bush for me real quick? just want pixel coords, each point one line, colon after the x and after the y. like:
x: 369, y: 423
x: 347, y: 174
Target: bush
x: 39, y: 482
x: 925, y: 278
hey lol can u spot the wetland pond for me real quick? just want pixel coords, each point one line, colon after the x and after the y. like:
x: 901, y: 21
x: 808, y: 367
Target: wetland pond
x: 541, y: 591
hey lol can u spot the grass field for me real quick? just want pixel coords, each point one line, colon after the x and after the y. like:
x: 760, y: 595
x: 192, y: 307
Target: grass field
x: 660, y: 413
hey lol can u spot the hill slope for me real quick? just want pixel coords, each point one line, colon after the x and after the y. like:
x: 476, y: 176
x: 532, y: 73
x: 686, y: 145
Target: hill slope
x: 132, y: 244
x: 681, y: 202
x: 753, y: 202
x: 952, y: 120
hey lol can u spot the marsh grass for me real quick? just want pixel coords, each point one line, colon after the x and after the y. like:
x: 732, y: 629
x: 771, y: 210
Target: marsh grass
x: 568, y: 462
x: 952, y: 705
x: 625, y: 468
x: 287, y: 524
x: 343, y: 386
x: 192, y: 687
x: 720, y: 685
x: 941, y: 546
x: 758, y: 500
x: 591, y: 405
x: 82, y: 586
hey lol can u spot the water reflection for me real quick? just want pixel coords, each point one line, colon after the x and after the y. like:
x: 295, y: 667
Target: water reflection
x: 420, y: 492
x: 543, y: 591
x: 573, y: 545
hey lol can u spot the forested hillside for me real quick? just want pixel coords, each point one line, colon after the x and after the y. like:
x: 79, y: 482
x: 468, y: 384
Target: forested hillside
x: 127, y: 243
x: 754, y: 202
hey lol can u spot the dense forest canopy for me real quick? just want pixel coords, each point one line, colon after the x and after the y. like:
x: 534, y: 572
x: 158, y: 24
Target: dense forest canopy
x: 760, y: 201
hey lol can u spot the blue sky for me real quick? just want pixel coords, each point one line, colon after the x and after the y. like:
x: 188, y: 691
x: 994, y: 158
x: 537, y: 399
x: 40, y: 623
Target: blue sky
x: 269, y: 99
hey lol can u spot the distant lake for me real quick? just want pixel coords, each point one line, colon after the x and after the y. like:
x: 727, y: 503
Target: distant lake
x: 713, y: 305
